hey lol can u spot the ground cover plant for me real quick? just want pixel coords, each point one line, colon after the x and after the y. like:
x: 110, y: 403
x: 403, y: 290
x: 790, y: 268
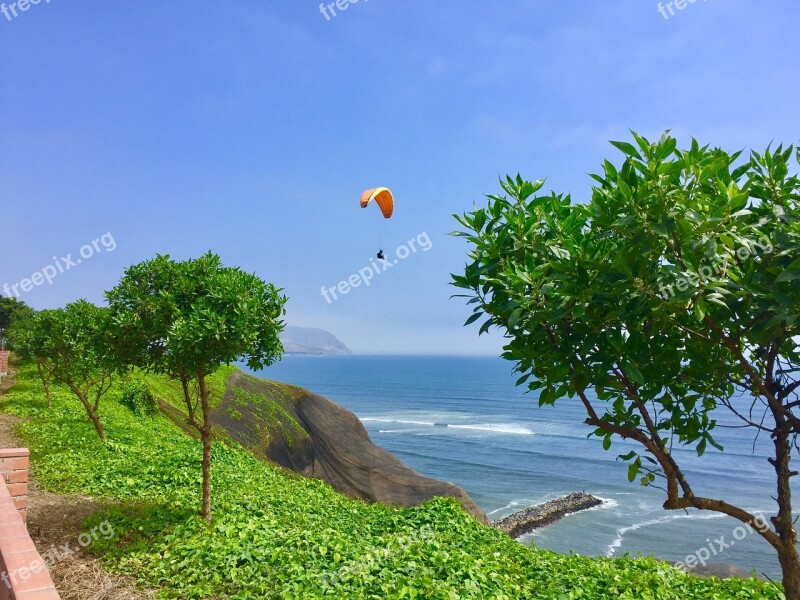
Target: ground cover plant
x: 278, y: 535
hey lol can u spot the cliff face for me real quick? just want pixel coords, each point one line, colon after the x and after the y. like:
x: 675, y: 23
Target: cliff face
x: 305, y: 340
x: 314, y: 437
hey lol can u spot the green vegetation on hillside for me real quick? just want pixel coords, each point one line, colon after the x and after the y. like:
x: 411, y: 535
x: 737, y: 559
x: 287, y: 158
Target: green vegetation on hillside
x: 272, y: 411
x: 277, y: 535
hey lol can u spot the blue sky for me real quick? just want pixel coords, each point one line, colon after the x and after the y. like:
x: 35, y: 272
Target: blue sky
x: 251, y: 128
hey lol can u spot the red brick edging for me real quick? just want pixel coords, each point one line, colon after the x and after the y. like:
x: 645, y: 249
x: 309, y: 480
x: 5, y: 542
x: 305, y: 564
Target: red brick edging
x: 23, y: 572
x: 4, y: 355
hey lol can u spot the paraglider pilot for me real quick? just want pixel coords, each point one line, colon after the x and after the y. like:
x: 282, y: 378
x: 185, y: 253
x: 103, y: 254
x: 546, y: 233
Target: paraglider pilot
x: 384, y: 198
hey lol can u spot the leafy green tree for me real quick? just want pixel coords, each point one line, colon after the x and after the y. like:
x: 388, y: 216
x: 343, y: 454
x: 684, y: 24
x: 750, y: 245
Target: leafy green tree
x: 26, y: 334
x: 674, y: 293
x: 69, y: 348
x: 185, y: 320
x: 11, y: 310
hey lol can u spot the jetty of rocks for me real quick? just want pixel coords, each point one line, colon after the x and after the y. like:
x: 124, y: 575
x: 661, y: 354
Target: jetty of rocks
x: 548, y: 513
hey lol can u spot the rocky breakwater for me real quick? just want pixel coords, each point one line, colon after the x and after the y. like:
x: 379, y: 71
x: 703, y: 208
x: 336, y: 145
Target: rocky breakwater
x: 541, y: 515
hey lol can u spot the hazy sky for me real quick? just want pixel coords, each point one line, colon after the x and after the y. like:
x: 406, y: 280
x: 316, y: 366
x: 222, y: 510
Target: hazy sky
x: 251, y: 128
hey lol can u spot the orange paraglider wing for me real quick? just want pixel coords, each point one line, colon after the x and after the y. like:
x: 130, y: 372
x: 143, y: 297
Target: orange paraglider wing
x: 383, y: 197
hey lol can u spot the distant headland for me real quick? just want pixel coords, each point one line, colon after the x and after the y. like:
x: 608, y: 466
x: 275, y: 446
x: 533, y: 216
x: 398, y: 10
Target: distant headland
x: 312, y: 342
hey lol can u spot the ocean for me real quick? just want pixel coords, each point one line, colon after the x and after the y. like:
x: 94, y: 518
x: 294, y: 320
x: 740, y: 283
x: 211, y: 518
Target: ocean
x: 463, y: 420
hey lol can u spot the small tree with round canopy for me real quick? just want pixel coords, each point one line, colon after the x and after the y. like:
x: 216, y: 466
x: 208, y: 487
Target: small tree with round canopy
x: 68, y: 346
x: 186, y: 319
x: 28, y: 339
x: 11, y: 311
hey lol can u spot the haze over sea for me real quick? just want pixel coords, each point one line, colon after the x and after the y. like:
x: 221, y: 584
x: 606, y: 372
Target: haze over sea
x: 463, y: 420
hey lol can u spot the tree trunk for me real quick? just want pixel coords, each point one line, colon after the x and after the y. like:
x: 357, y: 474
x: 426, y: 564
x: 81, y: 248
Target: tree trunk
x: 98, y: 426
x: 95, y: 419
x: 205, y: 434
x: 45, y: 383
x: 790, y: 567
x: 784, y: 523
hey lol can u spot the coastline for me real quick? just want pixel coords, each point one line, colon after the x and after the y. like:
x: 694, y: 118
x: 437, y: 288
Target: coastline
x: 506, y: 472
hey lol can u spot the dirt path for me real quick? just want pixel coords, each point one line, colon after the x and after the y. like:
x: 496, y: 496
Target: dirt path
x: 54, y: 520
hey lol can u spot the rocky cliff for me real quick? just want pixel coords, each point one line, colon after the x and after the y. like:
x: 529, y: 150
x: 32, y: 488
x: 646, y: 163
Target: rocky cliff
x: 314, y: 437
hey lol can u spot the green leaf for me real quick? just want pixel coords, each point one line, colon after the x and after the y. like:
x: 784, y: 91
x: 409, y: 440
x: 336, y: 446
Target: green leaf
x: 700, y: 309
x: 485, y: 327
x: 627, y: 148
x: 633, y: 470
x: 635, y: 374
x: 667, y: 148
x: 788, y: 275
x: 474, y: 317
x: 701, y: 448
x: 661, y: 229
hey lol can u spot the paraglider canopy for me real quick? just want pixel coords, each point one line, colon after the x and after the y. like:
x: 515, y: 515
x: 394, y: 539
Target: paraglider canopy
x: 383, y: 197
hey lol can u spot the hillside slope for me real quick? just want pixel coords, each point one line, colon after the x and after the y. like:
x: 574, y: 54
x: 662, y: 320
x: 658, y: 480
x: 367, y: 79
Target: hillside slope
x: 278, y: 535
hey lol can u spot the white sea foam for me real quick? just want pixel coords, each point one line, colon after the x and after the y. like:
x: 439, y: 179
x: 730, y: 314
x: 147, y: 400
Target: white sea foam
x: 400, y: 421
x: 502, y: 428
x: 622, y: 531
x: 496, y: 428
x: 396, y: 430
x: 607, y: 503
x: 513, y: 504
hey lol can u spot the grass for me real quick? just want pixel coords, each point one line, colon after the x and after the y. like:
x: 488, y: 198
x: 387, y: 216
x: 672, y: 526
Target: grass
x: 277, y: 535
